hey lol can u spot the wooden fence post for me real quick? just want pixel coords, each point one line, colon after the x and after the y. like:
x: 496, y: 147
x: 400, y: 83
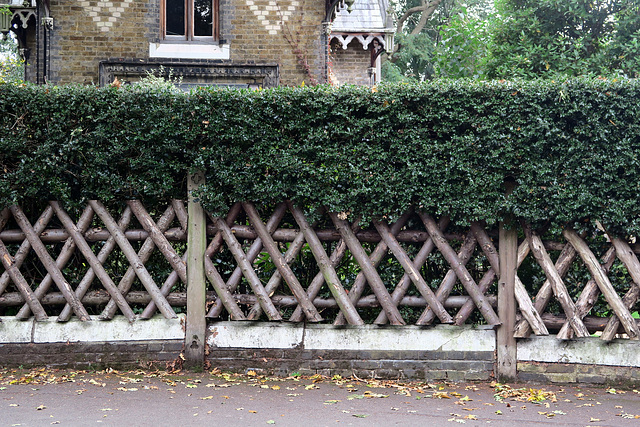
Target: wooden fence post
x: 506, y: 354
x: 196, y: 285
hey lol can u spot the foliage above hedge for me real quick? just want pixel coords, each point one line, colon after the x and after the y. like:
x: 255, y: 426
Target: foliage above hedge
x: 445, y: 146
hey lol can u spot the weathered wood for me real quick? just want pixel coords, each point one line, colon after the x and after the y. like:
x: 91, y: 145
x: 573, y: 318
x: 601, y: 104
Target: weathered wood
x: 589, y: 295
x: 49, y: 264
x: 376, y: 256
x: 225, y: 299
x: 414, y: 274
x: 593, y: 323
x: 93, y: 262
x: 421, y: 257
x: 332, y: 235
x: 102, y: 256
x: 610, y: 294
x: 628, y: 258
x: 506, y: 358
x: 450, y: 279
x: 134, y: 260
x: 463, y: 275
x: 247, y: 270
x: 91, y: 235
x: 252, y: 254
x: 276, y: 278
x: 159, y: 239
x: 557, y: 284
x: 22, y: 252
x: 488, y: 248
x: 179, y: 299
x: 367, y: 267
x: 145, y: 252
x: 523, y: 327
x: 281, y: 265
x: 318, y: 281
x: 324, y: 263
x: 196, y: 328
x: 65, y: 255
x: 21, y: 283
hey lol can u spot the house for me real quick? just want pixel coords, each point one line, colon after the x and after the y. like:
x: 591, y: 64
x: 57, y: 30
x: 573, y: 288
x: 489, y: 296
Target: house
x: 240, y: 43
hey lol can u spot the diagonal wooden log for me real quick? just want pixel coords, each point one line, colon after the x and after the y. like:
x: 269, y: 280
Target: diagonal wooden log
x: 629, y: 259
x: 324, y: 263
x: 450, y: 278
x: 172, y: 280
x: 281, y: 265
x: 606, y: 288
x: 134, y: 260
x: 463, y: 275
x: 90, y: 275
x: 522, y: 297
x: 22, y: 285
x: 22, y: 252
x: 369, y: 270
x: 589, y: 295
x: 225, y: 299
x: 144, y: 253
x: 159, y: 239
x: 412, y: 271
x: 418, y: 261
x: 376, y: 256
x: 181, y: 213
x: 276, y: 278
x: 65, y: 255
x: 252, y: 254
x: 93, y: 261
x: 554, y: 278
x: 49, y: 264
x: 545, y: 293
x: 318, y: 281
x: 247, y: 270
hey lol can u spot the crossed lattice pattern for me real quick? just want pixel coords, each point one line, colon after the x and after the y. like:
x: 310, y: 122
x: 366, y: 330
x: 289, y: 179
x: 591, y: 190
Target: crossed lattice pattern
x: 298, y: 267
x: 243, y: 294
x: 95, y: 265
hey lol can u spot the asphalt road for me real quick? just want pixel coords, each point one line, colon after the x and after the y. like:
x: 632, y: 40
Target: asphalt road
x: 142, y: 398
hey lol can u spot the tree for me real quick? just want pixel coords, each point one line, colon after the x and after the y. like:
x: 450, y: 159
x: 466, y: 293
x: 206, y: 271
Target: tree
x: 11, y: 65
x: 533, y: 38
x: 418, y: 52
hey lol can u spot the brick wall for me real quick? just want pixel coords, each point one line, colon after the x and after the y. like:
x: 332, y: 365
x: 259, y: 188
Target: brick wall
x: 572, y: 373
x: 350, y: 65
x: 88, y: 31
x: 94, y: 355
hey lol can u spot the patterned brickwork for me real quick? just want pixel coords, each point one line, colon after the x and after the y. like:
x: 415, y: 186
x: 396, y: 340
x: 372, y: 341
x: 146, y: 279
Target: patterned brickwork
x: 283, y: 32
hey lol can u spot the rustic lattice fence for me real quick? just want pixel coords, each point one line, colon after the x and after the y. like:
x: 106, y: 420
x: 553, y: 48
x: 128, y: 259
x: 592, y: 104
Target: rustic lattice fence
x: 285, y: 264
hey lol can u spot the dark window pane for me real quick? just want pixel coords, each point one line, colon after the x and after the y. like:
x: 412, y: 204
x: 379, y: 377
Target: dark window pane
x: 202, y: 18
x: 175, y: 17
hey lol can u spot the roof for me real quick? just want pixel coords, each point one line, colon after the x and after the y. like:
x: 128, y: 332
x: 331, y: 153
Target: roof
x: 367, y: 16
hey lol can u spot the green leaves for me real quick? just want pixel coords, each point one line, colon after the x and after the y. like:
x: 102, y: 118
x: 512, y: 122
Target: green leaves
x: 445, y: 146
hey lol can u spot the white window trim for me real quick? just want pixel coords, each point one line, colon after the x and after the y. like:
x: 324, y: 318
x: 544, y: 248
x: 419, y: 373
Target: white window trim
x: 189, y: 50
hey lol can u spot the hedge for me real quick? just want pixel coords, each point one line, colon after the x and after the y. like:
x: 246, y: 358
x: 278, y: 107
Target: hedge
x: 445, y: 146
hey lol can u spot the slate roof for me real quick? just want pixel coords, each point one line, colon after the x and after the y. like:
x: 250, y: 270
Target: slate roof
x: 367, y: 16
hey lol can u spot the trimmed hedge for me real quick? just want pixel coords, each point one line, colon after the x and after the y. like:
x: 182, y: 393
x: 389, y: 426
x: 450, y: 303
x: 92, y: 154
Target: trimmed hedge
x: 445, y: 146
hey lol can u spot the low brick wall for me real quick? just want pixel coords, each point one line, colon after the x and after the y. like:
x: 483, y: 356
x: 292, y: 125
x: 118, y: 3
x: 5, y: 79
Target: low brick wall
x: 96, y: 344
x: 438, y: 353
x: 586, y: 361
x: 93, y: 355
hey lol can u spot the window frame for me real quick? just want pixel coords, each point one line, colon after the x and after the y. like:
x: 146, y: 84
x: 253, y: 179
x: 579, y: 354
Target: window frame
x: 189, y: 37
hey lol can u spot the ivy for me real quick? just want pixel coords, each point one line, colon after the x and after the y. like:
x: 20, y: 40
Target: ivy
x: 444, y: 146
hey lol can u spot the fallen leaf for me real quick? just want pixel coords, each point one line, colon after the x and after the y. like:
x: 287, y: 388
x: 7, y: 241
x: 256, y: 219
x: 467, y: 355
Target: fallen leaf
x: 360, y: 415
x: 206, y: 398
x: 41, y: 407
x: 253, y: 412
x: 594, y: 420
x: 275, y: 387
x: 271, y: 422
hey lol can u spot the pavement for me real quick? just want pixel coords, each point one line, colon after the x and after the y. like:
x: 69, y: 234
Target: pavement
x: 43, y: 397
